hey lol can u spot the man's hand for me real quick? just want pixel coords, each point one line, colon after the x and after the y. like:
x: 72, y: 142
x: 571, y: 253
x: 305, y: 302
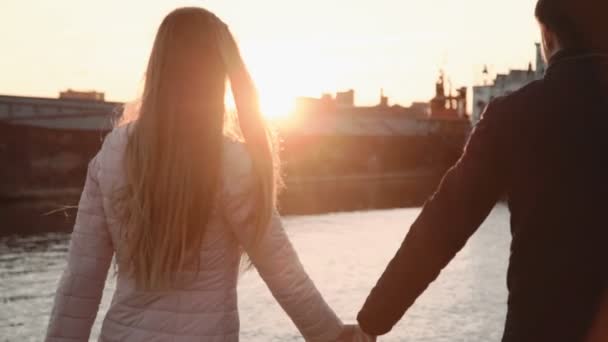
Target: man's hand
x: 352, y: 333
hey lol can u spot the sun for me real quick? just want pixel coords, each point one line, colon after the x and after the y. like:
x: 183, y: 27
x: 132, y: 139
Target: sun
x: 273, y: 79
x: 277, y: 96
x: 282, y: 73
x: 276, y: 104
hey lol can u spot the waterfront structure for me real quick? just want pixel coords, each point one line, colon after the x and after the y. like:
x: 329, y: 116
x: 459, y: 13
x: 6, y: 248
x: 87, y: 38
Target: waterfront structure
x: 82, y: 95
x: 443, y: 106
x: 505, y: 84
x: 447, y: 106
x: 72, y: 110
x: 337, y: 156
x: 331, y: 137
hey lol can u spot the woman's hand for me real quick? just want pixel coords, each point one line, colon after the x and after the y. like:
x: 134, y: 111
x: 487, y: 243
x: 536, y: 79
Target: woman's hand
x: 229, y: 50
x: 243, y: 87
x: 352, y: 333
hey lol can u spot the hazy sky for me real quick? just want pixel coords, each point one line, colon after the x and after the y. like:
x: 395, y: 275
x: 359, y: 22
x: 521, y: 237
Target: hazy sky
x: 292, y: 47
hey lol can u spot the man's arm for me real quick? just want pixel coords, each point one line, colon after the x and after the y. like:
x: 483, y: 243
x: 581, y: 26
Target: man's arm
x: 466, y: 195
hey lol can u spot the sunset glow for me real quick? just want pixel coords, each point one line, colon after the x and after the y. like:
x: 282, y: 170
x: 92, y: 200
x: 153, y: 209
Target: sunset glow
x: 276, y: 98
x: 292, y: 48
x: 284, y: 71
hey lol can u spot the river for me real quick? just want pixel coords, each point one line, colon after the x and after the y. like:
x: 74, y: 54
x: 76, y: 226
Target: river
x: 344, y: 254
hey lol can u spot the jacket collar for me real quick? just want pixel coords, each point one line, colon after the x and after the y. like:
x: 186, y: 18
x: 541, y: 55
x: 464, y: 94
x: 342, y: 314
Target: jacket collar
x: 575, y: 56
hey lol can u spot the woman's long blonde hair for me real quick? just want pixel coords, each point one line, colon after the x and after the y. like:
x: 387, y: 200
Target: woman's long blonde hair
x: 174, y: 152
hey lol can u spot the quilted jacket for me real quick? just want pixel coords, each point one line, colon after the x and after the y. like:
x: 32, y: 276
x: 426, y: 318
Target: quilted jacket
x: 205, y: 308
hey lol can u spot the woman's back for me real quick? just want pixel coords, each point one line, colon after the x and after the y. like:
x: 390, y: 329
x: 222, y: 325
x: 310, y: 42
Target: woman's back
x: 205, y: 302
x: 202, y: 303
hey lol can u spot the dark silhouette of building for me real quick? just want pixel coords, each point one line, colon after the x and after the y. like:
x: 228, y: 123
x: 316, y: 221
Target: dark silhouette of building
x: 337, y: 156
x: 448, y: 106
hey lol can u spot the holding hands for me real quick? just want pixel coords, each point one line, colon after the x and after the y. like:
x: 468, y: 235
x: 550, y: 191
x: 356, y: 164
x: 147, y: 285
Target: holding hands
x: 352, y: 333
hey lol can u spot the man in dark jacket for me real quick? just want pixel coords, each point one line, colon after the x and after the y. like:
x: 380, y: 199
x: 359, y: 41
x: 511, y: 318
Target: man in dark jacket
x: 546, y: 148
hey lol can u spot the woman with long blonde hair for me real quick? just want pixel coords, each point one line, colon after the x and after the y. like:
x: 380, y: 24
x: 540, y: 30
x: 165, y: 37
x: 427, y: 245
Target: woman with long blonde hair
x: 176, y: 202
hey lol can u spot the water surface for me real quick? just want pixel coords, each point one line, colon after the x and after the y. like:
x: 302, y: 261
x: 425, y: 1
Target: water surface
x: 343, y: 253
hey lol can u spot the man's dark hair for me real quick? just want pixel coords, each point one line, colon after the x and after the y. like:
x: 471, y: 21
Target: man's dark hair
x: 576, y: 23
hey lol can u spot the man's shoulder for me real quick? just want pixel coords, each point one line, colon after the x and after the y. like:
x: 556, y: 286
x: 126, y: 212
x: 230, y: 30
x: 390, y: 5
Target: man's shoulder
x: 521, y: 100
x: 516, y: 107
x: 507, y: 115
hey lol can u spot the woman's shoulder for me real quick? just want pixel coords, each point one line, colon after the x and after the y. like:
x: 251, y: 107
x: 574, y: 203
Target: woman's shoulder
x: 113, y: 148
x: 117, y: 138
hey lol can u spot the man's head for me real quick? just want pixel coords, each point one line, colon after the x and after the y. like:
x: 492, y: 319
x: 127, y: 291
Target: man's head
x: 573, y: 24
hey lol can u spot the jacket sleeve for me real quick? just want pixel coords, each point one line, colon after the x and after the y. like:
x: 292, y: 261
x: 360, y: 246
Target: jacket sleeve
x: 274, y: 257
x: 466, y: 195
x: 89, y: 257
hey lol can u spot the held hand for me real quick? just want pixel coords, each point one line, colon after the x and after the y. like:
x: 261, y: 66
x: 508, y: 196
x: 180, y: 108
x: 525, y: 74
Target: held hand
x: 352, y: 333
x: 361, y: 336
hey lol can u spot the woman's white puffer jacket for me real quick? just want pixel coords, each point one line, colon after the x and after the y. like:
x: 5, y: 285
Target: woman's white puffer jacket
x: 205, y: 308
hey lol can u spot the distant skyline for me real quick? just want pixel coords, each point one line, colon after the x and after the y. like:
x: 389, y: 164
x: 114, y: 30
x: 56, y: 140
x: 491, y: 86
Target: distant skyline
x: 293, y: 48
